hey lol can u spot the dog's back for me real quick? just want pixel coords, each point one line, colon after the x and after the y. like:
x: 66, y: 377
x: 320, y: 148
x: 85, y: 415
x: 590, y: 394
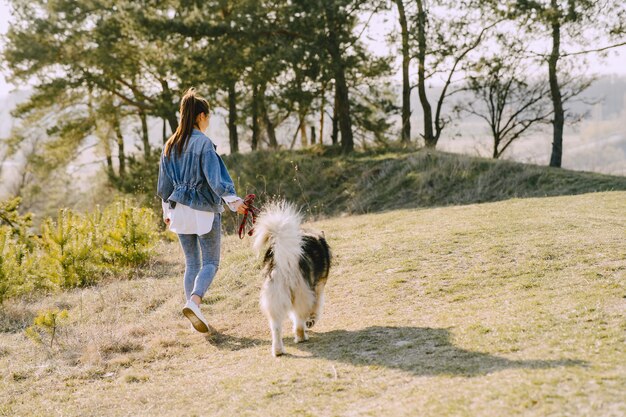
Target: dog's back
x: 315, y: 259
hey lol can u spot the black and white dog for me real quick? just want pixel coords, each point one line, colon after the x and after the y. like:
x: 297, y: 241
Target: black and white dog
x: 295, y: 268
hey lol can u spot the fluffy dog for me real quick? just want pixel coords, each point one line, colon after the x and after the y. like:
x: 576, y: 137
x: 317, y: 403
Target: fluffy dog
x: 295, y: 268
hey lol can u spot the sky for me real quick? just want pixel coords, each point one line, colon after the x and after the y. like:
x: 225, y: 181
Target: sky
x: 615, y: 63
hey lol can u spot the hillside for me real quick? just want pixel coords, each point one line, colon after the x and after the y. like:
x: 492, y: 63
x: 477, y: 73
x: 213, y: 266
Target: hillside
x: 506, y: 308
x: 377, y: 180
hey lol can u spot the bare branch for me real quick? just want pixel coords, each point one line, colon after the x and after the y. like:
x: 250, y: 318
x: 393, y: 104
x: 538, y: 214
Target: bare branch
x: 617, y: 45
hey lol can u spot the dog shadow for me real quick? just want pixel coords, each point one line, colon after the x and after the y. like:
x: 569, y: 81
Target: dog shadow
x: 418, y: 350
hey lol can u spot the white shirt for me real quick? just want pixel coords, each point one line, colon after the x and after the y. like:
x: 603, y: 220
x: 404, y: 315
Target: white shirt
x: 185, y: 220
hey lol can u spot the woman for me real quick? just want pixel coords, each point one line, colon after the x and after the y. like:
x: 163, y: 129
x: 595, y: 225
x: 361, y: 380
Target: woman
x: 193, y: 185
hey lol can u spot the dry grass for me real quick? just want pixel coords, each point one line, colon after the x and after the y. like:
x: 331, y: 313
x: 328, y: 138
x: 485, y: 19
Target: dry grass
x: 508, y: 308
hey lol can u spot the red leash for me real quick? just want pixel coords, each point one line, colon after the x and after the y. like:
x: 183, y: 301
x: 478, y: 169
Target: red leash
x: 249, y: 210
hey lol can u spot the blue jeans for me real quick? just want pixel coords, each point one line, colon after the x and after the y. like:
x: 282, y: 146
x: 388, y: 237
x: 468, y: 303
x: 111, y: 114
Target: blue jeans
x: 202, y: 259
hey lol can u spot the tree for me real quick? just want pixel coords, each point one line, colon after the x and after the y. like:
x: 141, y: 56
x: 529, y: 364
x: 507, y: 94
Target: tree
x: 442, y: 45
x: 328, y: 29
x: 406, y: 84
x: 289, y: 67
x: 91, y: 62
x: 335, y: 19
x: 578, y: 25
x: 220, y: 47
x: 39, y: 176
x: 510, y: 100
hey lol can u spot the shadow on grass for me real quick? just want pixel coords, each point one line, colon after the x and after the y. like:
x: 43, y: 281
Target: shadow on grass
x: 224, y: 341
x: 421, y: 351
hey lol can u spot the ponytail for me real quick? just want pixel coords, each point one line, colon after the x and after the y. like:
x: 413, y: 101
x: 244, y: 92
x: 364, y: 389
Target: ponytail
x: 191, y: 105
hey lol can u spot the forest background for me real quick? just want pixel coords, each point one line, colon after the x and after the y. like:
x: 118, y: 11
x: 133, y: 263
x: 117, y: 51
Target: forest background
x: 95, y: 85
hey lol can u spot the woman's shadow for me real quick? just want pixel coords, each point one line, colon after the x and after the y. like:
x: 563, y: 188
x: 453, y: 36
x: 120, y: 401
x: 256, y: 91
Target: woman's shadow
x: 418, y: 350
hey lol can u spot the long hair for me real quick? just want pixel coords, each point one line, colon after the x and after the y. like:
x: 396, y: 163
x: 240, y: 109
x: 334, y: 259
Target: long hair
x: 191, y: 105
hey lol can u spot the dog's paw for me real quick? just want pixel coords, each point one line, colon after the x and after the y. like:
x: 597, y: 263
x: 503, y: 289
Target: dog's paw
x: 278, y: 351
x: 300, y: 339
x: 300, y: 335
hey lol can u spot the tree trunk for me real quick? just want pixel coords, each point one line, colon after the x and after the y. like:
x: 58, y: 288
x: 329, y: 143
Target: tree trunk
x: 429, y: 138
x: 313, y: 138
x: 110, y: 171
x: 322, y: 104
x: 304, y: 141
x: 255, y: 117
x: 144, y: 135
x: 173, y: 121
x: 343, y: 111
x: 496, y: 144
x: 555, y: 92
x: 232, y: 118
x: 406, y: 88
x: 169, y: 106
x: 106, y: 142
x: 269, y: 126
x: 271, y: 131
x: 164, y: 131
x: 343, y: 99
x: 120, y: 148
x: 335, y: 132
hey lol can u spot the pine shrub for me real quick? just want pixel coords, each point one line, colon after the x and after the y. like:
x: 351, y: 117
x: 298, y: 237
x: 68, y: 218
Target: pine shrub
x: 49, y: 322
x: 70, y: 256
x: 16, y: 223
x: 75, y: 250
x: 132, y: 234
x: 19, y: 266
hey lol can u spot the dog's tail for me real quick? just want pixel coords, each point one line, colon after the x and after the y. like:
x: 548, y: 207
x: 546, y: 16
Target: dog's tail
x: 279, y: 227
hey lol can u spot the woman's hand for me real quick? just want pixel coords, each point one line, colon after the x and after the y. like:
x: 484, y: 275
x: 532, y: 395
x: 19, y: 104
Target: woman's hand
x: 240, y: 206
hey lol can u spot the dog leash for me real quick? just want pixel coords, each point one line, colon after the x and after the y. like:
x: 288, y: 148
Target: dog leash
x: 250, y: 210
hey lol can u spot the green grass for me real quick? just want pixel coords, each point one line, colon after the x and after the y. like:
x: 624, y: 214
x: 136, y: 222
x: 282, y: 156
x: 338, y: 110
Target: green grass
x: 497, y: 309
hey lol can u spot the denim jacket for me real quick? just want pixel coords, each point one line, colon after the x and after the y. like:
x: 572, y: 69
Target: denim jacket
x: 197, y: 178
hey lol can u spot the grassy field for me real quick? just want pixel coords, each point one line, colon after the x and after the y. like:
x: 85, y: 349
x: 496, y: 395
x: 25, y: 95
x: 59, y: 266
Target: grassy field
x: 497, y: 309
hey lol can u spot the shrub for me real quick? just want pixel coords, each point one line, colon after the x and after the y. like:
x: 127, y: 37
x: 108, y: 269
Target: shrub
x: 76, y: 250
x: 19, y: 267
x: 132, y: 235
x: 70, y: 255
x: 17, y: 224
x: 47, y: 321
